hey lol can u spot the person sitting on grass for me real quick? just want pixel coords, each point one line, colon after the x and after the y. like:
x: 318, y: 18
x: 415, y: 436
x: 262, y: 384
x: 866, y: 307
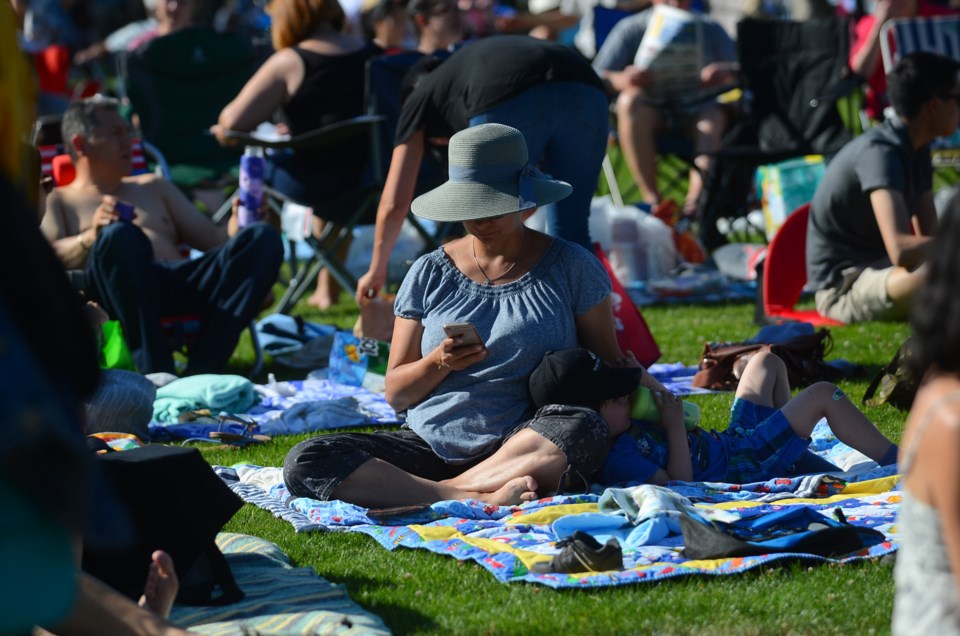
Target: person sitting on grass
x: 767, y: 436
x: 468, y: 432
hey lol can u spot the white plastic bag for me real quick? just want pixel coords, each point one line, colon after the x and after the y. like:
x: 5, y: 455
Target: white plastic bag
x: 638, y: 245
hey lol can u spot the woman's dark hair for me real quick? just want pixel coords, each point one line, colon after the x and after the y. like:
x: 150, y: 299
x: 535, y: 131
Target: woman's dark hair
x: 936, y: 309
x: 918, y: 78
x: 423, y: 67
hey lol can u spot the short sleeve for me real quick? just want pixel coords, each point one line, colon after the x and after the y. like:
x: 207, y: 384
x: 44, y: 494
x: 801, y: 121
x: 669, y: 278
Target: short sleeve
x: 588, y: 279
x: 413, y: 114
x: 411, y: 297
x: 880, y: 168
x: 621, y: 45
x: 625, y: 463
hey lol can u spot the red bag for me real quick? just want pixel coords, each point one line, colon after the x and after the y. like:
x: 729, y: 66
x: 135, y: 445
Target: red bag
x: 633, y: 334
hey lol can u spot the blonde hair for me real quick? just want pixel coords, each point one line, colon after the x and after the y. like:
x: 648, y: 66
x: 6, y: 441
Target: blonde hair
x: 294, y: 20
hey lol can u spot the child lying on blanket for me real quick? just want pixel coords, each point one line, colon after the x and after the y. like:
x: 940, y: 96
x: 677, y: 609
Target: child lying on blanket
x: 767, y: 436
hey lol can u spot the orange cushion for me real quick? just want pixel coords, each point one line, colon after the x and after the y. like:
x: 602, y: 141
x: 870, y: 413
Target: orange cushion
x: 63, y: 170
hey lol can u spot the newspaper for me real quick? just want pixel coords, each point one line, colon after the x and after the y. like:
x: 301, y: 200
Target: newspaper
x: 672, y: 50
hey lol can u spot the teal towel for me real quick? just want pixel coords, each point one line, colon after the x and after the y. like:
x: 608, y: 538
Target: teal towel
x: 231, y: 393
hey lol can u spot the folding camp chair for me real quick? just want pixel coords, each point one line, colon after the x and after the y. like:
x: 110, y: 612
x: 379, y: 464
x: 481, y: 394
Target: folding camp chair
x: 785, y: 273
x: 177, y: 85
x: 908, y: 35
x: 341, y: 214
x: 676, y: 152
x: 792, y: 73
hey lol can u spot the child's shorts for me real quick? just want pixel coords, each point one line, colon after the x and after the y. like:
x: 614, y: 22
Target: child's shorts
x: 760, y: 443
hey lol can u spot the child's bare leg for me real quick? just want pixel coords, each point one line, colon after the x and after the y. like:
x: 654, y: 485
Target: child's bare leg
x: 162, y: 585
x: 847, y: 422
x: 764, y: 381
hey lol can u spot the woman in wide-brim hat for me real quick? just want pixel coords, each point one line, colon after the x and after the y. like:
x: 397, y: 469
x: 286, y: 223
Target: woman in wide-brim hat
x: 526, y: 293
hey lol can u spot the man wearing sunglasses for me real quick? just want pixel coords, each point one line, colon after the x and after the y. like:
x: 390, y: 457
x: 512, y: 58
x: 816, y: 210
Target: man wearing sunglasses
x: 872, y: 217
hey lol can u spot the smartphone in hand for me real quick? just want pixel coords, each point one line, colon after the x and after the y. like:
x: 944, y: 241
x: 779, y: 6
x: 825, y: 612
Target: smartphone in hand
x: 466, y: 331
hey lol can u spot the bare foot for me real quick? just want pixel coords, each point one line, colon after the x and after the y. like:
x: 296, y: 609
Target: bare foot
x: 321, y: 301
x: 515, y: 491
x: 162, y: 585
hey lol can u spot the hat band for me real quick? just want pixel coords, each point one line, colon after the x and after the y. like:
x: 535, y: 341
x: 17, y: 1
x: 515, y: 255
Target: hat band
x: 527, y: 175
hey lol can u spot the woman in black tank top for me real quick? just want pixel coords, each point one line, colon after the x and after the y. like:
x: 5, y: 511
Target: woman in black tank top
x: 314, y: 79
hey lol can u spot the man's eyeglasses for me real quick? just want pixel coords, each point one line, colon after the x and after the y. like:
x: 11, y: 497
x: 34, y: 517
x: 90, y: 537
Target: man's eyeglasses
x: 47, y: 184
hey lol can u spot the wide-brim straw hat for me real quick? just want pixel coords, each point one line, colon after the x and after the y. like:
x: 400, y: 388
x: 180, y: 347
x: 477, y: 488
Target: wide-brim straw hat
x: 489, y: 176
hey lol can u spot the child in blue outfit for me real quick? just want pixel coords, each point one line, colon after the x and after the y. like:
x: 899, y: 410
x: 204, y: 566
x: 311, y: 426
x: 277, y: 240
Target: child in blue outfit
x: 767, y: 436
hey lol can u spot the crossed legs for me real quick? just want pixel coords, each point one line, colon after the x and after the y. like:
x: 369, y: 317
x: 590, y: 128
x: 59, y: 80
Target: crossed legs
x: 764, y: 381
x: 510, y: 476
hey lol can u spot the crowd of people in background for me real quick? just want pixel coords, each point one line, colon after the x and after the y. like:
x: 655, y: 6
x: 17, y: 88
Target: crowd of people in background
x: 500, y: 105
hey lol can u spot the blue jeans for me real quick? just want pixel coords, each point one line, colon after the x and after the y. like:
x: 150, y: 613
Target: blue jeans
x: 225, y: 287
x: 565, y: 124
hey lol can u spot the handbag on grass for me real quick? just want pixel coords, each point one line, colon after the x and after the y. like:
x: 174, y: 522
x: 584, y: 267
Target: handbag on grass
x: 178, y: 504
x: 722, y: 363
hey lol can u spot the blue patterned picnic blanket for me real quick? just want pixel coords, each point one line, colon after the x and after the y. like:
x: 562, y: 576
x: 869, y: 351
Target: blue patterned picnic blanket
x: 508, y: 540
x: 298, y: 406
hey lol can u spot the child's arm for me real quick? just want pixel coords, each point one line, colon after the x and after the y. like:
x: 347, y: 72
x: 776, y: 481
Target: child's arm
x: 679, y: 464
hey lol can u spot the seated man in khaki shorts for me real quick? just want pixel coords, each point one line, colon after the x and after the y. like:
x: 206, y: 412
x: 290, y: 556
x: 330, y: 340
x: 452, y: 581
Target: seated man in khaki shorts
x: 872, y: 217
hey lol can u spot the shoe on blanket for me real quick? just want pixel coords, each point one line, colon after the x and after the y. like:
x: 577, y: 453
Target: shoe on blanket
x: 583, y: 553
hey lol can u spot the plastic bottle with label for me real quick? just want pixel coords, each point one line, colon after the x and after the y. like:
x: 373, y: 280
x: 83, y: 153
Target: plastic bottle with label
x: 251, y: 185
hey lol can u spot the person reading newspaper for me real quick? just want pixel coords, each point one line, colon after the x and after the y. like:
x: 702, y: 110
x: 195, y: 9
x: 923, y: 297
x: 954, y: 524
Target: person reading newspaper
x: 667, y: 55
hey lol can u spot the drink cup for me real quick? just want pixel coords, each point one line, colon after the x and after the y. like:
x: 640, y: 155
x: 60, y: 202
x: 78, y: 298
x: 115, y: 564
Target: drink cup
x: 644, y: 407
x: 124, y: 210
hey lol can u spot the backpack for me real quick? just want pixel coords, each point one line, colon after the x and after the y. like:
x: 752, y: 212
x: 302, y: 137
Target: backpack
x: 174, y: 502
x: 798, y: 529
x: 721, y: 364
x: 894, y: 384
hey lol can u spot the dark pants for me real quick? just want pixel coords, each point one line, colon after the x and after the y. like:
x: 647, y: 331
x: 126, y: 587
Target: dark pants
x: 225, y: 288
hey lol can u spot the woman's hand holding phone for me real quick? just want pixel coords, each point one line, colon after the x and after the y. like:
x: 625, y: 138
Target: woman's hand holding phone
x: 462, y: 347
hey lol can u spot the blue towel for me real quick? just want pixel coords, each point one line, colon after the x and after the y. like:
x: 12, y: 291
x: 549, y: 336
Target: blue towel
x: 231, y: 393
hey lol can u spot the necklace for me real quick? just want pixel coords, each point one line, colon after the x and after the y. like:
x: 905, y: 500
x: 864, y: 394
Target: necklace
x: 486, y: 279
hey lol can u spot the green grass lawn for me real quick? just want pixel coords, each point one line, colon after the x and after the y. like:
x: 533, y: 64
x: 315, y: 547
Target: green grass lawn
x: 420, y: 592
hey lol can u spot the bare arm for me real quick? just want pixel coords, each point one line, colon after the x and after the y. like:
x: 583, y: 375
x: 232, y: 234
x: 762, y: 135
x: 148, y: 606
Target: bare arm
x: 193, y: 228
x: 679, y: 465
x: 629, y: 78
x: 864, y: 60
x: 392, y: 212
x: 596, y: 332
x: 903, y: 248
x: 412, y: 377
x: 264, y: 93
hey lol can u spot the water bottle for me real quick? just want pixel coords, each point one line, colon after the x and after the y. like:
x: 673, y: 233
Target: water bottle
x: 645, y: 408
x: 626, y: 257
x: 251, y: 185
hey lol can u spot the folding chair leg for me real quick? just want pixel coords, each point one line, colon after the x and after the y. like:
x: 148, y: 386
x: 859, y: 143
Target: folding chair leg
x: 299, y: 283
x: 257, y: 351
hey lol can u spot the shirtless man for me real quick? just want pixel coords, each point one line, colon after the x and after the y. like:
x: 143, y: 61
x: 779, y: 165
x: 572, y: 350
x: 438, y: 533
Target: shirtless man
x: 135, y: 269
